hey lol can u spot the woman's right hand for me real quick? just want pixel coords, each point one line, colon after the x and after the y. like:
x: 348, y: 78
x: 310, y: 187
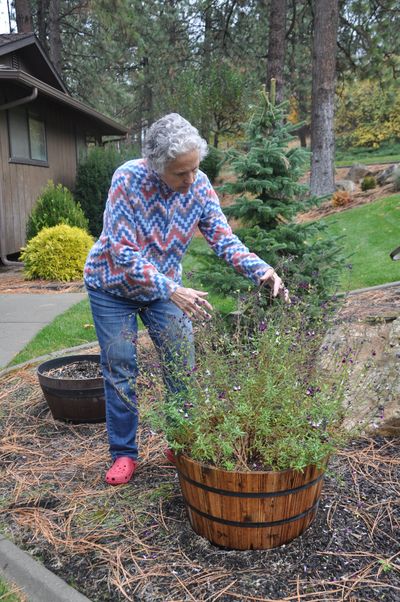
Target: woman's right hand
x: 192, y: 302
x: 272, y: 279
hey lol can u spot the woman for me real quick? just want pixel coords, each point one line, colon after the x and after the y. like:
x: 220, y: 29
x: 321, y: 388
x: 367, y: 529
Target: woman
x: 154, y: 206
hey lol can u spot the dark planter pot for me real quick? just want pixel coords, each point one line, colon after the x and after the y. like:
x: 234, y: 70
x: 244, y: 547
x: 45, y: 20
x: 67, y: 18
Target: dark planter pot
x: 73, y: 400
x: 249, y: 510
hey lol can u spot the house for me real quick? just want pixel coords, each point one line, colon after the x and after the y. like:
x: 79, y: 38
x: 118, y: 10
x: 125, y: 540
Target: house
x: 43, y: 130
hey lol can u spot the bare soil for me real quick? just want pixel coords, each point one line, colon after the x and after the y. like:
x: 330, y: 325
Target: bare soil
x: 12, y: 281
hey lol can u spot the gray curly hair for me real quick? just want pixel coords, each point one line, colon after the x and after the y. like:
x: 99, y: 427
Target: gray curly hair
x: 170, y: 136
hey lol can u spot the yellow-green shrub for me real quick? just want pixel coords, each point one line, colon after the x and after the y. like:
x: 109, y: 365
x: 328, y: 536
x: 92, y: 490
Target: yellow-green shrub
x: 57, y: 253
x: 368, y: 114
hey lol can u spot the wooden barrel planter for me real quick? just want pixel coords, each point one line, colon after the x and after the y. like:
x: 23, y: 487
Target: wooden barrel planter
x: 73, y: 399
x: 249, y: 510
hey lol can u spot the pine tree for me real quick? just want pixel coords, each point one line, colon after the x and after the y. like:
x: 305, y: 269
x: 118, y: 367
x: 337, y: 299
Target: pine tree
x: 269, y: 197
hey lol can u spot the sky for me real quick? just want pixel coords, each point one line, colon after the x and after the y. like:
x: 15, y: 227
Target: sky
x: 4, y: 27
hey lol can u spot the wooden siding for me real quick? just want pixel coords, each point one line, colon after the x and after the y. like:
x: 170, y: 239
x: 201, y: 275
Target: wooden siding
x: 20, y: 184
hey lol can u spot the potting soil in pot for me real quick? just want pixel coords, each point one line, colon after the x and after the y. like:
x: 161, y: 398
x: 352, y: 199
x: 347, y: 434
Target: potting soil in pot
x: 76, y: 370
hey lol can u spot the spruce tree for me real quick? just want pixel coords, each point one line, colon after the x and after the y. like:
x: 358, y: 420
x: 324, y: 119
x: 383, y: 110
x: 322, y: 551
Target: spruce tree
x: 269, y: 196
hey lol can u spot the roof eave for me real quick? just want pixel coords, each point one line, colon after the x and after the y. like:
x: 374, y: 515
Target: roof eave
x: 17, y: 44
x: 113, y: 128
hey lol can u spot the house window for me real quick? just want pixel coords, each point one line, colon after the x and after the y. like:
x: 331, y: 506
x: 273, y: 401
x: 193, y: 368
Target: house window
x: 27, y: 137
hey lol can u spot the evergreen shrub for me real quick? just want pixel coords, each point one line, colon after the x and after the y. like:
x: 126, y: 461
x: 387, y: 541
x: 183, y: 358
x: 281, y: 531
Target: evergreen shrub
x: 55, y: 205
x: 211, y: 164
x: 268, y: 197
x: 57, y: 253
x: 93, y: 181
x: 368, y: 183
x: 341, y: 198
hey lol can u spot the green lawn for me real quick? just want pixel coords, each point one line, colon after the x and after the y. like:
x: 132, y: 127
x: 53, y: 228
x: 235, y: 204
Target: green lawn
x: 367, y: 156
x: 368, y: 160
x: 370, y: 233
x: 8, y: 593
x: 370, y: 156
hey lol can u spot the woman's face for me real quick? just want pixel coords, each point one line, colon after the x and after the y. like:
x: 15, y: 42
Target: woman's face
x: 180, y: 173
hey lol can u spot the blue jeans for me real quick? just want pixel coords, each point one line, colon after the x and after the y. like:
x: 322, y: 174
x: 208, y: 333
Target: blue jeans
x: 115, y: 320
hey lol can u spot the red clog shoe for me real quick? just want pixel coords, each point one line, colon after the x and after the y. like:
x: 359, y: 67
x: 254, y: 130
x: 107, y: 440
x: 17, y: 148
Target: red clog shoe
x: 169, y: 454
x: 121, y: 471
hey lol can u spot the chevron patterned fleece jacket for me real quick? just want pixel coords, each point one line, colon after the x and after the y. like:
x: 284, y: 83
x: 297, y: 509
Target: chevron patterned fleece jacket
x: 147, y: 230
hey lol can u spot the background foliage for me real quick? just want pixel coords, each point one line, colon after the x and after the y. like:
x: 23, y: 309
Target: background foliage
x: 93, y: 181
x: 136, y: 60
x: 55, y: 205
x: 268, y: 197
x: 368, y: 113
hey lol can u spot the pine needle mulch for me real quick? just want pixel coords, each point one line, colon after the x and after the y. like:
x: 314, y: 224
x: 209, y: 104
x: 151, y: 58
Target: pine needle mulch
x: 134, y: 542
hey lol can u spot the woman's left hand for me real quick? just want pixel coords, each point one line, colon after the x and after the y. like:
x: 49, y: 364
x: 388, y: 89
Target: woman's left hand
x: 272, y: 279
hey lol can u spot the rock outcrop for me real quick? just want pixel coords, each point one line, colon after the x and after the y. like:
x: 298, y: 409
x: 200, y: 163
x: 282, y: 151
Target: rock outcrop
x: 347, y: 185
x: 357, y: 172
x: 368, y: 343
x: 388, y: 175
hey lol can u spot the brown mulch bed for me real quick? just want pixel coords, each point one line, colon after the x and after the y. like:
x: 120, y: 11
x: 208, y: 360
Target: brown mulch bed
x: 357, y: 199
x: 12, y: 281
x: 134, y: 542
x: 372, y: 306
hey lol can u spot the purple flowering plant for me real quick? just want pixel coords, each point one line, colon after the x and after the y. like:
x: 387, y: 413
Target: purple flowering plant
x: 256, y: 399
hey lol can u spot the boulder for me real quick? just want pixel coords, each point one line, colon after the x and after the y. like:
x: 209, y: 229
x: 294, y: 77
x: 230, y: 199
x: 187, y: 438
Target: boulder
x: 371, y: 351
x: 347, y: 185
x: 357, y: 172
x: 388, y: 175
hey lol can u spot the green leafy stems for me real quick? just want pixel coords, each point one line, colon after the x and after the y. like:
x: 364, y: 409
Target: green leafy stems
x: 256, y: 399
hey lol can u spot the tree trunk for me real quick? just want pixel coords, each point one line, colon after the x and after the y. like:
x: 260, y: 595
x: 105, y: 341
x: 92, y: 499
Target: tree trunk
x: 302, y: 132
x: 23, y: 15
x: 323, y: 97
x: 205, y: 125
x: 55, y: 34
x: 148, y: 109
x: 277, y: 47
x: 42, y: 15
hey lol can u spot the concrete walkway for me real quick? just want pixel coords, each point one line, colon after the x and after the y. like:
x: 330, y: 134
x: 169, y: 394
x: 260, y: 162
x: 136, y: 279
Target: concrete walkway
x: 22, y: 315
x: 35, y: 581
